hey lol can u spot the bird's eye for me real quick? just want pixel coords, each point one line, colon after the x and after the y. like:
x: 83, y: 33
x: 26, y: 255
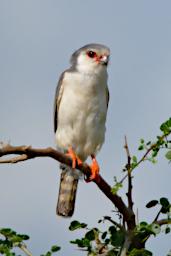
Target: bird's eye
x: 91, y: 54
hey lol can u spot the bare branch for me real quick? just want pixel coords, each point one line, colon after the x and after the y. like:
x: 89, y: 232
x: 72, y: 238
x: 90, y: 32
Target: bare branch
x: 14, y: 160
x: 27, y: 152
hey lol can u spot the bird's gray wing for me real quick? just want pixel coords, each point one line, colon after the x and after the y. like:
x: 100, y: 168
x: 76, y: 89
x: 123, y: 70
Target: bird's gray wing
x: 66, y: 197
x: 107, y: 96
x: 58, y: 96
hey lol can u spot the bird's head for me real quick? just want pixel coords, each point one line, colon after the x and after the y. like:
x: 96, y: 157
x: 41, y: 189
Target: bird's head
x: 91, y: 58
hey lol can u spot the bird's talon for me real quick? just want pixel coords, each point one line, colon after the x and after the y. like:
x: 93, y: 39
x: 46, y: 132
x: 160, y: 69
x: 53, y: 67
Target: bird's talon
x: 94, y: 167
x: 79, y: 162
x: 75, y: 159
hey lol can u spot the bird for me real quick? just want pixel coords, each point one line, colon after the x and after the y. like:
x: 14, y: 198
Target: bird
x: 80, y: 111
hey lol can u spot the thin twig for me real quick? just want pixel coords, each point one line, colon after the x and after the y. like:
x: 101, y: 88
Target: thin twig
x: 144, y: 157
x: 114, y: 223
x: 156, y: 218
x: 23, y: 247
x: 163, y: 222
x: 128, y: 167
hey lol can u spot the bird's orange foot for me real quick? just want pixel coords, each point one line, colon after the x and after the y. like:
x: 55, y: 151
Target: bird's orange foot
x: 75, y: 159
x: 94, y: 170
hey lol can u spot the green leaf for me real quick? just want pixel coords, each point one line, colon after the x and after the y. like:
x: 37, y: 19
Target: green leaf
x: 134, y: 159
x: 7, y: 232
x: 142, y: 141
x: 168, y: 155
x: 90, y: 235
x: 24, y: 237
x: 143, y: 224
x: 152, y: 203
x: 141, y: 147
x: 104, y: 235
x: 16, y: 239
x: 55, y: 248
x: 76, y: 225
x: 48, y: 254
x: 167, y: 230
x: 164, y: 202
x: 116, y: 187
x: 165, y: 127
x: 81, y: 242
x: 112, y: 229
x: 155, y: 152
x: 117, y: 238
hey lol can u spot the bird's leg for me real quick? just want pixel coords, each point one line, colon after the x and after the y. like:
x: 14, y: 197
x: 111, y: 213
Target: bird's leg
x: 75, y: 159
x: 94, y: 170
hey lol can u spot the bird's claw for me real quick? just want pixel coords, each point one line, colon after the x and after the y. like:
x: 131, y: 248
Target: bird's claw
x: 75, y: 159
x: 94, y: 167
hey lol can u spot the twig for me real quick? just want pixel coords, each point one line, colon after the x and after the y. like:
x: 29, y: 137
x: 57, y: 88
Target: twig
x: 163, y: 222
x: 114, y: 223
x: 146, y: 154
x: 27, y: 152
x: 23, y: 247
x: 128, y: 167
x: 156, y: 218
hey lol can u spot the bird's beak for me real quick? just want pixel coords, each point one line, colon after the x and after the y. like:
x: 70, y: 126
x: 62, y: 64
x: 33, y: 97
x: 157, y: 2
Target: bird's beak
x: 104, y: 59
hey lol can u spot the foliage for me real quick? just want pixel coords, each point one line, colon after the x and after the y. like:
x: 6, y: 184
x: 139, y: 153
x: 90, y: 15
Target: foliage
x: 118, y: 185
x: 97, y: 242
x: 111, y: 241
x: 11, y: 239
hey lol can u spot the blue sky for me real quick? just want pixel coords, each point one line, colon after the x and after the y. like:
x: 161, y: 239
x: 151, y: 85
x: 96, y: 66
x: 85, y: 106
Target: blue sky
x: 37, y: 39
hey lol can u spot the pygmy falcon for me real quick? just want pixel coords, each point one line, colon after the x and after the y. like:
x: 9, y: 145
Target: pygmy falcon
x: 80, y: 110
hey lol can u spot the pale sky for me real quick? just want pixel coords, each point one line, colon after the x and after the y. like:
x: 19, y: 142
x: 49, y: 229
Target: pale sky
x: 37, y: 39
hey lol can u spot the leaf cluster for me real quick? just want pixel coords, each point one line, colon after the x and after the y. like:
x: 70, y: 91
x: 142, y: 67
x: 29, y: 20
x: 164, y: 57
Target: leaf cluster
x: 163, y: 202
x: 11, y: 239
x: 95, y: 241
x: 53, y: 250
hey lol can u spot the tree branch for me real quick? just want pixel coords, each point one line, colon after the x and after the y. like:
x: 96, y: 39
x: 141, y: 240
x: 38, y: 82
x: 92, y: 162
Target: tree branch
x: 128, y: 167
x: 163, y: 222
x: 27, y: 152
x: 126, y: 245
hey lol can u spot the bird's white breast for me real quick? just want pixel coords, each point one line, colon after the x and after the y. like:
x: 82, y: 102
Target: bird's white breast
x: 82, y: 113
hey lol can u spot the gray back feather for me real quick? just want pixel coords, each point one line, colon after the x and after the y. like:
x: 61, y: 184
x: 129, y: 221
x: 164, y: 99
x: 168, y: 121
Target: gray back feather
x: 55, y: 112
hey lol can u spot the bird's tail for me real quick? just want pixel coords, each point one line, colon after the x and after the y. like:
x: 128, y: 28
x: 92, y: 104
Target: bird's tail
x: 67, y: 192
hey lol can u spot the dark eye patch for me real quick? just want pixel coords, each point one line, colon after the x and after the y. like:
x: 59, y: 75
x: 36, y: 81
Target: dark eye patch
x: 91, y: 54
